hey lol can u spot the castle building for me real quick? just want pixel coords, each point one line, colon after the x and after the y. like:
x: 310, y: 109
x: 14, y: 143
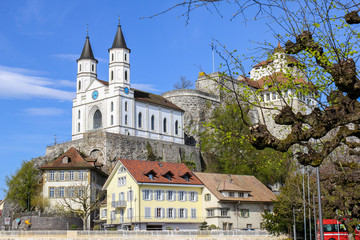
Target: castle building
x: 114, y: 106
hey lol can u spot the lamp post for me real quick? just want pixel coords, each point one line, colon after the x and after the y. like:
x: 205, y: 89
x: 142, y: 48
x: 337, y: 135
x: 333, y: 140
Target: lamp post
x: 321, y: 228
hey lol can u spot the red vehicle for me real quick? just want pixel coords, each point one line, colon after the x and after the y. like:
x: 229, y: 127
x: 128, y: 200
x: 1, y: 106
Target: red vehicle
x: 333, y: 230
x: 357, y: 232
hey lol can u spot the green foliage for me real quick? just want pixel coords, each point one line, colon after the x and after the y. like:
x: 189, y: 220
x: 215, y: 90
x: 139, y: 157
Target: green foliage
x: 225, y: 146
x: 96, y: 227
x: 191, y: 165
x: 213, y: 227
x: 24, y: 186
x: 73, y: 227
x: 204, y: 226
x: 150, y: 153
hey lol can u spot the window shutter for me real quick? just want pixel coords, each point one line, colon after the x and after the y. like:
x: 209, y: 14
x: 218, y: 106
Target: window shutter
x: 178, y: 196
x: 185, y: 196
x: 76, y: 177
x: 57, y: 177
x: 66, y: 176
x: 85, y: 176
x: 196, y: 196
x: 167, y: 213
x: 56, y: 192
x: 143, y: 194
x: 186, y: 212
x: 66, y: 192
x: 155, y: 216
x: 167, y: 195
x: 179, y: 212
x: 162, y: 212
x: 174, y: 212
x: 151, y: 194
x: 162, y: 195
x: 47, y: 176
x: 113, y: 197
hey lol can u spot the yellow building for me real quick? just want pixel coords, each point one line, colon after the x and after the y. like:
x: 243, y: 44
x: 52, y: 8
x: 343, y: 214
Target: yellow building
x: 146, y: 195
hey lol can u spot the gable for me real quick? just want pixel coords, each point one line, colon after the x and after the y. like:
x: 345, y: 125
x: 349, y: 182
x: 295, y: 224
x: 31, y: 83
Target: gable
x: 96, y: 84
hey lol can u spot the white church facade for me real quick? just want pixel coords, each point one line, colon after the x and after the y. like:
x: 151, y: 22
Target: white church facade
x: 114, y: 106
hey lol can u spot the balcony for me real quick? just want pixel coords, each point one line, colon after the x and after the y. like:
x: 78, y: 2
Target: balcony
x: 118, y: 204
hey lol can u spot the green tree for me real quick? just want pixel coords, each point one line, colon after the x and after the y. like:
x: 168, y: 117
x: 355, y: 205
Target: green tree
x: 227, y: 150
x: 24, y: 185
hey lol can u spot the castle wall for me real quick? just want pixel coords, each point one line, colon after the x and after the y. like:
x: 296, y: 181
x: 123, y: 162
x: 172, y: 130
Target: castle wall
x: 108, y: 147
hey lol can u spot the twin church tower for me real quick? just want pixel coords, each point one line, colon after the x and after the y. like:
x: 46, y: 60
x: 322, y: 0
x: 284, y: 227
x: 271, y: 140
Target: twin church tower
x: 114, y: 106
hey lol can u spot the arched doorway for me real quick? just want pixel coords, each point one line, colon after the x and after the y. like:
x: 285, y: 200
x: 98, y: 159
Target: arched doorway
x: 97, y: 120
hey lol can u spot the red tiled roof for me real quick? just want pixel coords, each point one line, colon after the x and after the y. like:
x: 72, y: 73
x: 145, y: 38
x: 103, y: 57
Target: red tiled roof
x: 154, y: 99
x: 139, y: 170
x: 104, y: 82
x: 76, y: 161
x: 245, y: 183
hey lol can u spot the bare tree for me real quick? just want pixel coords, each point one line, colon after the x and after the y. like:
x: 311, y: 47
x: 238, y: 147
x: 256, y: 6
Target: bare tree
x: 82, y: 200
x: 183, y: 83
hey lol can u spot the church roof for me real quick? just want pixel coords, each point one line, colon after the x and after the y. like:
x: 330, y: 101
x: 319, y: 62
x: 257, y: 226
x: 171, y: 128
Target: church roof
x: 119, y: 41
x: 155, y: 99
x: 87, y: 52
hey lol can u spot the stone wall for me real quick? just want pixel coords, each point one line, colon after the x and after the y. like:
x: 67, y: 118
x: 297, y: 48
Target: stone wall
x: 108, y: 147
x: 47, y: 223
x: 198, y: 106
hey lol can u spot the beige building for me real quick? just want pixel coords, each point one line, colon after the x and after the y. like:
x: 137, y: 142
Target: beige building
x: 72, y: 178
x: 234, y: 201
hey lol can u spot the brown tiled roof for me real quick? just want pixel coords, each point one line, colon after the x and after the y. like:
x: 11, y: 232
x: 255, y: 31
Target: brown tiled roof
x: 154, y: 99
x: 76, y: 161
x: 139, y: 170
x: 103, y: 82
x: 229, y: 186
x: 258, y: 191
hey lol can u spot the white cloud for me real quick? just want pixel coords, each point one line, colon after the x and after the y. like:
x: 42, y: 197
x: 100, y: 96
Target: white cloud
x: 44, y: 111
x: 145, y: 87
x: 72, y: 57
x: 67, y: 83
x: 20, y: 83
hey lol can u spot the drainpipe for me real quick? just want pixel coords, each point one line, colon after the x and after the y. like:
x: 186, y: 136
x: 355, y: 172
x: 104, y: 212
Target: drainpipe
x: 237, y: 215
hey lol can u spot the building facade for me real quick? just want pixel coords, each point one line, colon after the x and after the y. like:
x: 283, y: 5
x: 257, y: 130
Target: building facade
x: 234, y: 201
x: 113, y: 106
x: 146, y: 195
x: 71, y: 179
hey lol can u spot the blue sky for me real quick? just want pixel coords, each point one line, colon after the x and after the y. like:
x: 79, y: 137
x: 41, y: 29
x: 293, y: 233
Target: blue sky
x: 40, y: 41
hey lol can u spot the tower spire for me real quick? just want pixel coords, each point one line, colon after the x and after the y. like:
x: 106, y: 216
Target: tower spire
x: 119, y: 40
x: 87, y: 52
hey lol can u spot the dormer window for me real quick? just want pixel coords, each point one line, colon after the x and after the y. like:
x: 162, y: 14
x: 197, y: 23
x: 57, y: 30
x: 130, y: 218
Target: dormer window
x: 186, y: 177
x: 169, y: 175
x: 151, y: 175
x: 65, y: 160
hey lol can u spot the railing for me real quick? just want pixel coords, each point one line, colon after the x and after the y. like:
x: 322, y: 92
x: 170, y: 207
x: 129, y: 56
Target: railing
x: 118, y: 204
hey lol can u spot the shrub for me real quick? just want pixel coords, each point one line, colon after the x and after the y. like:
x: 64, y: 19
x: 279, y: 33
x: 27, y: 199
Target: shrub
x: 73, y: 227
x: 97, y: 227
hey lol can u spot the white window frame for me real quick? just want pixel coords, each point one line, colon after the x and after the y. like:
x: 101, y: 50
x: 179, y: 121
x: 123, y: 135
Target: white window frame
x: 147, y: 212
x: 62, y: 175
x: 159, y: 195
x: 193, y: 196
x: 159, y: 212
x: 61, y: 192
x: 173, y: 195
x: 52, y: 175
x: 182, y: 196
x: 71, y: 175
x: 147, y: 194
x: 193, y: 213
x: 182, y: 213
x: 51, y: 192
x: 172, y: 212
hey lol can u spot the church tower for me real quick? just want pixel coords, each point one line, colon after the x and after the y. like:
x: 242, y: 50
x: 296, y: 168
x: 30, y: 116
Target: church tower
x: 87, y: 67
x: 119, y: 61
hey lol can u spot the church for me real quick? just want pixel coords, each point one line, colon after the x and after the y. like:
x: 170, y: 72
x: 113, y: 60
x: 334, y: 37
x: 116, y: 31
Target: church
x: 114, y: 106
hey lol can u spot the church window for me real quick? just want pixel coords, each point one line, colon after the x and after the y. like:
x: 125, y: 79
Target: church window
x: 112, y: 120
x: 78, y: 127
x: 125, y: 57
x: 79, y: 114
x: 152, y: 122
x: 125, y: 119
x: 92, y: 67
x: 80, y: 68
x: 126, y: 76
x: 79, y: 85
x: 164, y: 123
x: 126, y: 107
x: 97, y: 121
x: 176, y: 127
x: 112, y: 57
x: 112, y: 75
x: 140, y: 119
x: 112, y: 106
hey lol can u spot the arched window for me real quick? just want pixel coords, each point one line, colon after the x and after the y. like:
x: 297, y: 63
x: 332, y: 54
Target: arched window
x: 125, y: 119
x: 152, y: 122
x: 126, y: 76
x: 92, y: 67
x: 79, y: 114
x: 176, y: 127
x: 112, y: 120
x: 97, y: 121
x: 112, y: 75
x: 125, y: 57
x: 112, y: 106
x: 78, y: 127
x: 164, y: 125
x: 125, y: 106
x: 79, y: 85
x: 139, y: 120
x: 80, y: 68
x: 112, y: 57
